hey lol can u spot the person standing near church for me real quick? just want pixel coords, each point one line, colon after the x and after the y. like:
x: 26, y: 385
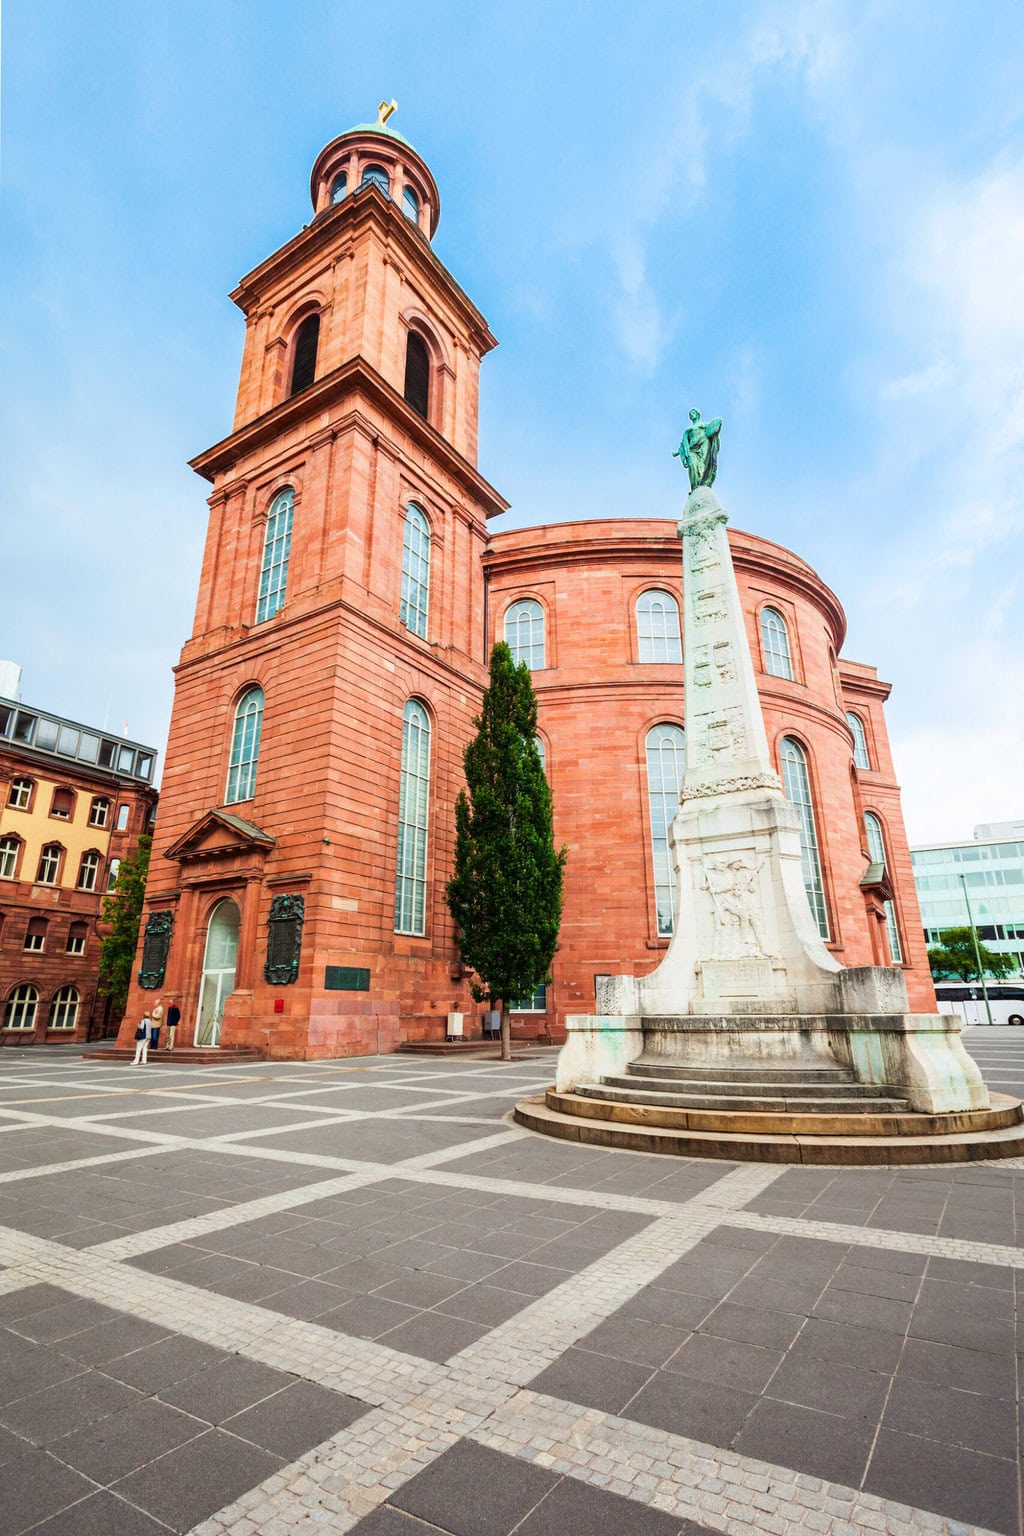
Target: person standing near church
x: 143, y: 1035
x: 173, y: 1019
x: 156, y: 1015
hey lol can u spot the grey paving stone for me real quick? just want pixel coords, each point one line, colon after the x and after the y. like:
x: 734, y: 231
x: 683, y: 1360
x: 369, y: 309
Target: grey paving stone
x: 580, y: 1377
x: 33, y: 1298
x: 434, y: 1336
x: 225, y: 1389
x: 486, y: 1304
x: 945, y: 1325
x: 879, y: 1312
x: 57, y: 1410
x: 101, y: 1515
x: 72, y: 1316
x: 530, y: 1279
x: 160, y: 1365
x: 969, y: 1272
x: 676, y: 1309
x: 968, y: 1370
x: 34, y: 1487
x: 843, y: 1390
x: 195, y: 1480
x: 26, y: 1367
x: 859, y: 1277
x: 473, y: 1491
x: 94, y: 1346
x: 819, y: 1444
x: 850, y: 1344
x: 634, y: 1339
x: 12, y: 1446
x: 952, y: 1417
x: 774, y: 1330
x: 682, y: 1405
x: 295, y: 1419
x: 725, y: 1362
x: 367, y: 1317
x: 964, y: 1485
x: 112, y: 1447
x: 419, y: 1289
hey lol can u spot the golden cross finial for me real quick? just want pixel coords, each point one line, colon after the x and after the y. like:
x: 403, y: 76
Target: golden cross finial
x: 385, y: 110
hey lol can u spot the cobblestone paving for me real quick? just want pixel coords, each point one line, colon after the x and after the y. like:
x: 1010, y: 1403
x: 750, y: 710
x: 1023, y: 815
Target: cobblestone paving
x: 282, y: 1299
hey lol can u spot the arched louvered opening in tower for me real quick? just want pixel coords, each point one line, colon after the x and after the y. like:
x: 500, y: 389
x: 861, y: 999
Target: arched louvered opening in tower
x: 417, y: 374
x: 307, y: 338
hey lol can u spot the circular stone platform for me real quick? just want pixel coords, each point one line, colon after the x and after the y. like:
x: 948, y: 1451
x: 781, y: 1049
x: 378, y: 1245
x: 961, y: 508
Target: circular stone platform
x: 852, y: 1137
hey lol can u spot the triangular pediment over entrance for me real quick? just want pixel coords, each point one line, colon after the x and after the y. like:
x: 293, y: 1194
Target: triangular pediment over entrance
x: 217, y: 833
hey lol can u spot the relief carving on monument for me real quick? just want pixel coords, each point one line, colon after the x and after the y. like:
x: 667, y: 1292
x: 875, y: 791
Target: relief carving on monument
x: 702, y: 542
x: 732, y: 880
x: 709, y: 605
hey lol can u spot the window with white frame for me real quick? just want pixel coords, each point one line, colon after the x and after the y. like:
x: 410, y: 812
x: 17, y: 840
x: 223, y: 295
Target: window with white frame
x: 112, y: 873
x: 64, y: 1008
x: 537, y: 1002
x: 542, y: 753
x: 415, y: 571
x: 88, y: 870
x: 775, y: 643
x: 277, y: 543
x: 860, y: 741
x: 657, y: 627
x: 35, y: 935
x: 666, y: 764
x: 20, y: 1012
x: 49, y: 864
x: 99, y: 811
x: 20, y: 796
x: 796, y: 781
x: 77, y: 934
x: 123, y: 813
x: 876, y: 848
x: 245, y: 747
x: 9, y: 848
x: 524, y: 633
x: 413, y: 815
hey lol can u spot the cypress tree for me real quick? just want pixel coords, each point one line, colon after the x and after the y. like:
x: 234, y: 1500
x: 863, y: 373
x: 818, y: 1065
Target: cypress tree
x: 122, y: 914
x: 506, y: 892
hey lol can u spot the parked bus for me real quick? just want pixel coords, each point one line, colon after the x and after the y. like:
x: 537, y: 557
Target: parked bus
x: 1005, y: 998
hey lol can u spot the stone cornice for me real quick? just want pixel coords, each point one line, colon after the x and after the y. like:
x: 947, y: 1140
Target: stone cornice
x: 356, y: 375
x: 339, y: 225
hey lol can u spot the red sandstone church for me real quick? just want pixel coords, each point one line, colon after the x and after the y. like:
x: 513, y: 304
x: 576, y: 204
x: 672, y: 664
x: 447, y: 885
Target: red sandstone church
x: 349, y: 598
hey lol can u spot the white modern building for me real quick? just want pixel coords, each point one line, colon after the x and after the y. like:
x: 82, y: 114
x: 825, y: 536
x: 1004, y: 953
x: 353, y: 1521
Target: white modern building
x: 988, y: 873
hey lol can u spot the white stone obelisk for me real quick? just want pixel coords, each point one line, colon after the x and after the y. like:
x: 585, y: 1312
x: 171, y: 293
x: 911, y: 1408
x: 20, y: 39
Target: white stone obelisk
x: 745, y: 939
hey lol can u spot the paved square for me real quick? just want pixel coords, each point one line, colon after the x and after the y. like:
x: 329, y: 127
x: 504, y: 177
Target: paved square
x: 352, y: 1296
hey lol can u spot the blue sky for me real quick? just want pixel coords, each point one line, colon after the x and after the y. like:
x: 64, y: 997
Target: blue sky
x: 806, y: 218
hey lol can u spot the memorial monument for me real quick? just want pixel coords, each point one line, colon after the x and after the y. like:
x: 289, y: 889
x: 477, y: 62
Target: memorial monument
x: 749, y: 1018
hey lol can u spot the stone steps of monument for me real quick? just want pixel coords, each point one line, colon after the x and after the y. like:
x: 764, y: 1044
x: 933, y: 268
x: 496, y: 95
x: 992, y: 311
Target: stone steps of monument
x: 745, y: 1073
x: 838, y: 1088
x: 764, y: 1102
x: 876, y: 1140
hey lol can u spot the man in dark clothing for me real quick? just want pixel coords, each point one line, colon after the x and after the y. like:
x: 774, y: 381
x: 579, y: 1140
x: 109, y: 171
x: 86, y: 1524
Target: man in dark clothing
x: 173, y: 1017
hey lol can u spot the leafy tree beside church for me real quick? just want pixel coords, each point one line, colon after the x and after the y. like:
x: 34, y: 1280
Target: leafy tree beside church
x: 122, y: 913
x: 506, y: 892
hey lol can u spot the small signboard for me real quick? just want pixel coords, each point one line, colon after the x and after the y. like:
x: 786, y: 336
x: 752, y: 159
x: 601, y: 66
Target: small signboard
x: 346, y: 978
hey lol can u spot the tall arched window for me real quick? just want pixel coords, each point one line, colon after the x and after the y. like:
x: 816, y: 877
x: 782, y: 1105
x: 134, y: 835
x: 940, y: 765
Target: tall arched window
x: 657, y: 627
x: 48, y: 872
x: 876, y: 848
x: 538, y: 742
x: 413, y: 813
x: 339, y: 186
x: 415, y: 571
x: 417, y: 373
x: 376, y: 176
x: 666, y: 764
x: 245, y: 747
x: 20, y: 1012
x: 860, y: 741
x: 64, y: 1008
x: 411, y: 205
x: 304, y: 347
x: 277, y: 543
x: 796, y: 781
x: 524, y: 633
x: 10, y: 847
x: 775, y: 643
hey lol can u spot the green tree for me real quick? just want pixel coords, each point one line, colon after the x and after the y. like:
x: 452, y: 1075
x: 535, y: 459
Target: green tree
x: 506, y: 892
x: 955, y: 956
x: 122, y: 912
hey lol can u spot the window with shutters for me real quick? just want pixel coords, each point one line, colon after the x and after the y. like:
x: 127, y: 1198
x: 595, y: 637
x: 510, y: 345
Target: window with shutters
x: 35, y: 935
x: 417, y: 373
x: 63, y: 804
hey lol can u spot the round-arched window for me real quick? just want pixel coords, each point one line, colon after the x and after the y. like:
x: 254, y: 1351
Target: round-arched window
x: 64, y: 1008
x: 524, y: 633
x: 411, y: 205
x: 657, y: 627
x: 20, y: 1012
x: 245, y: 747
x: 666, y: 764
x: 339, y: 186
x: 377, y: 176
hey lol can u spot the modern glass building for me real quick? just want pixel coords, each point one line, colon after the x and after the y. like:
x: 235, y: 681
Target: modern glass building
x: 988, y: 872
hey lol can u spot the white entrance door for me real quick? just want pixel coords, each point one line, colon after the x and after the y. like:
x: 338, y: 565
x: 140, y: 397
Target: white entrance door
x: 218, y: 971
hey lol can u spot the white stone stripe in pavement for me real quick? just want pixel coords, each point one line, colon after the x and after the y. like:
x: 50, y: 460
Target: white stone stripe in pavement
x: 881, y: 1237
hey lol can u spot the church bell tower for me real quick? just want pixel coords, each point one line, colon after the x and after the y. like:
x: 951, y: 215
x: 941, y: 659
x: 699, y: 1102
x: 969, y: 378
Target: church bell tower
x: 295, y: 900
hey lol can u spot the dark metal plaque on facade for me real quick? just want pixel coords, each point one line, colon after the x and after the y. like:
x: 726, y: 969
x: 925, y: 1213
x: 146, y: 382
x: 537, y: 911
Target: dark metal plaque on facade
x: 346, y: 978
x: 284, y: 939
x: 155, y: 945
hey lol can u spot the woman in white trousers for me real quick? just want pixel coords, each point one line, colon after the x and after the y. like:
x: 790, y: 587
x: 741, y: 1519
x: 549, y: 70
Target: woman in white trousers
x: 142, y: 1041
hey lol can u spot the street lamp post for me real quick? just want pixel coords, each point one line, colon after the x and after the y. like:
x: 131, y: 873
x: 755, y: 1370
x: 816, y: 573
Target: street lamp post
x: 977, y: 951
